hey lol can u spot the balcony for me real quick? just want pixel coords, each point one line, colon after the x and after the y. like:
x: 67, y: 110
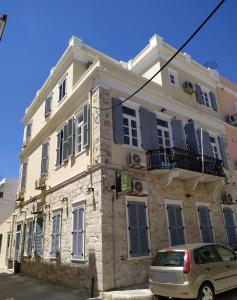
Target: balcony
x: 188, y: 166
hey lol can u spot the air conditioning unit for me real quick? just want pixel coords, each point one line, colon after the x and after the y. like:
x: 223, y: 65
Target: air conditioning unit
x: 139, y: 187
x: 188, y: 87
x: 37, y: 208
x: 20, y: 196
x: 40, y: 183
x: 231, y: 119
x: 135, y: 160
x: 227, y: 198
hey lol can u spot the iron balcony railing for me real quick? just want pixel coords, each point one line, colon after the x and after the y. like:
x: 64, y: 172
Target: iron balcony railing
x: 171, y: 158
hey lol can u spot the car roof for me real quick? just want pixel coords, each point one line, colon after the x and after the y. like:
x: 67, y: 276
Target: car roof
x: 187, y: 246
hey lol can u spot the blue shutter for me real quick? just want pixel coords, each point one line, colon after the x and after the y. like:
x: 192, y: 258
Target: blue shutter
x: 178, y: 133
x: 39, y: 237
x: 149, y: 132
x: 176, y: 227
x: 223, y: 154
x: 65, y: 142
x: 71, y: 137
x: 213, y: 101
x: 58, y: 150
x: 57, y: 230
x: 44, y: 160
x: 85, y: 126
x: 29, y: 238
x: 143, y: 229
x: 199, y: 95
x: 230, y: 226
x: 205, y: 224
x: 191, y: 137
x: 117, y: 121
x: 206, y: 142
x: 78, y: 233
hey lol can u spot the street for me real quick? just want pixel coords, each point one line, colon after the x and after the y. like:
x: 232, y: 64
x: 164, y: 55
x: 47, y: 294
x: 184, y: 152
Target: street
x: 18, y: 287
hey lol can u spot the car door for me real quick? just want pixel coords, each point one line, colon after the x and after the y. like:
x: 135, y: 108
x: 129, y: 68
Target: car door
x: 208, y: 265
x: 228, y: 278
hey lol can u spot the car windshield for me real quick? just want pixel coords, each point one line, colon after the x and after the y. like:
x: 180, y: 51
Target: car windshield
x: 169, y: 258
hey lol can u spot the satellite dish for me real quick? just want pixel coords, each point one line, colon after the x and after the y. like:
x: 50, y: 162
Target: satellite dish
x: 211, y: 65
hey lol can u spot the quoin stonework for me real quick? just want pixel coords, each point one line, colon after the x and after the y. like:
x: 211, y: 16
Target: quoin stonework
x: 104, y: 183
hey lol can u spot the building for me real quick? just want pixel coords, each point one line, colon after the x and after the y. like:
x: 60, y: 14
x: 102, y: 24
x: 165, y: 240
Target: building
x: 101, y: 188
x: 8, y: 189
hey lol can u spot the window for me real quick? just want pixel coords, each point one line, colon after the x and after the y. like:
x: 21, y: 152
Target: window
x: 225, y: 254
x: 28, y: 131
x: 205, y: 224
x: 39, y: 236
x: 138, y: 229
x: 79, y: 132
x: 45, y: 158
x: 17, y: 242
x: 29, y: 238
x: 56, y: 231
x: 206, y: 98
x: 206, y: 255
x: 1, y: 194
x: 230, y: 226
x: 23, y: 175
x: 130, y: 131
x: 48, y: 108
x: 62, y: 90
x: 175, y: 221
x: 173, y: 77
x: 215, y: 147
x: 78, y: 233
x: 82, y: 131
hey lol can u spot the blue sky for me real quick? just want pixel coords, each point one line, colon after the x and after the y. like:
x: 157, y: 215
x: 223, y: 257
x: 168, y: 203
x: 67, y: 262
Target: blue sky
x: 38, y: 31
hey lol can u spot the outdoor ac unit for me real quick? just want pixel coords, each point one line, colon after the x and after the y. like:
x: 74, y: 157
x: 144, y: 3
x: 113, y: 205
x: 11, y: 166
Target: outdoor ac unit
x: 227, y: 198
x: 188, y: 87
x: 20, y: 196
x: 231, y: 119
x: 139, y: 187
x: 37, y: 208
x: 135, y: 160
x: 40, y: 183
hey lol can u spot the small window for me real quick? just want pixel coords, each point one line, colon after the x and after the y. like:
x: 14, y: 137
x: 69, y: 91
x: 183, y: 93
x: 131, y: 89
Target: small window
x: 48, y: 106
x: 23, y: 175
x: 206, y: 255
x: 1, y: 194
x: 62, y: 89
x: 173, y: 77
x: 225, y: 254
x: 28, y: 131
x: 45, y: 158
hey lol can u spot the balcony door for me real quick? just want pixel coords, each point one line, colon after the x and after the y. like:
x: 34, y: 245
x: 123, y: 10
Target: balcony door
x: 164, y: 141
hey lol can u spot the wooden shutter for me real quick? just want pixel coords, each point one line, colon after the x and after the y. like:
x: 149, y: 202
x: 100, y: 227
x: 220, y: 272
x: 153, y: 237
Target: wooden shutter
x: 57, y: 232
x: 85, y: 126
x: 29, y: 238
x: 59, y: 148
x: 44, y: 160
x: 39, y: 237
x: 149, y: 133
x: 178, y: 133
x: 199, y: 95
x: 213, y: 101
x: 117, y: 113
x: 138, y: 229
x: 78, y: 233
x: 205, y: 224
x: 191, y: 137
x: 176, y: 227
x: 230, y: 226
x: 28, y: 130
x: 71, y: 137
x: 65, y: 142
x: 223, y: 153
x: 23, y: 175
x: 47, y: 111
x: 205, y: 142
x: 53, y: 235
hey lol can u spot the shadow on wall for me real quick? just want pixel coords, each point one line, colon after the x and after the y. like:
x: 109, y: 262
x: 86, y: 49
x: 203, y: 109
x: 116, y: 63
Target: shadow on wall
x: 76, y: 274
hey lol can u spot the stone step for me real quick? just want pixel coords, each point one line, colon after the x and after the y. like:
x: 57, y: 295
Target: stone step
x: 139, y: 294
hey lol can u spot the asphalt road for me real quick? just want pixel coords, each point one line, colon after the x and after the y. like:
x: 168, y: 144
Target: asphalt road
x: 17, y: 287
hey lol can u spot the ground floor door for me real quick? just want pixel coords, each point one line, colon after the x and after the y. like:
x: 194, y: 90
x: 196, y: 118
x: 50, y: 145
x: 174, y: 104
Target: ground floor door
x: 17, y: 243
x: 7, y: 248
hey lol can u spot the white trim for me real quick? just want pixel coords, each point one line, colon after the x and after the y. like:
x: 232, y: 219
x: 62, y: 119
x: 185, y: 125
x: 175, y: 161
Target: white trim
x: 180, y: 203
x: 210, y: 214
x: 175, y: 75
x: 77, y: 205
x: 141, y: 200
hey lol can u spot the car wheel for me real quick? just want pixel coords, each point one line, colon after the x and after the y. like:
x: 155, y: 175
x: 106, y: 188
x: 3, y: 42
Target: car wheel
x: 205, y: 292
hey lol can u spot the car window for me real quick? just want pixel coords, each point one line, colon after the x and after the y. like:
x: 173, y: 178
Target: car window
x: 205, y: 255
x: 225, y: 254
x: 169, y: 259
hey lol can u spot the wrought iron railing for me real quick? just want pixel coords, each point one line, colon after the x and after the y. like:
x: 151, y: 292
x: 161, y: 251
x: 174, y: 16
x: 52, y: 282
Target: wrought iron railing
x: 171, y: 158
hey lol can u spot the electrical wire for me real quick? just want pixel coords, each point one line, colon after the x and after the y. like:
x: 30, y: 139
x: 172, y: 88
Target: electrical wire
x: 172, y: 57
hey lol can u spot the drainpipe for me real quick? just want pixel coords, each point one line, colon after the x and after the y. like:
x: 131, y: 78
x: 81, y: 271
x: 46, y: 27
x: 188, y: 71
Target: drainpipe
x: 201, y: 140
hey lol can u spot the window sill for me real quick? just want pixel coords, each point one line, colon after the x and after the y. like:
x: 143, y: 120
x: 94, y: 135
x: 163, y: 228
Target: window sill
x: 75, y: 260
x: 63, y: 164
x: 78, y: 154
